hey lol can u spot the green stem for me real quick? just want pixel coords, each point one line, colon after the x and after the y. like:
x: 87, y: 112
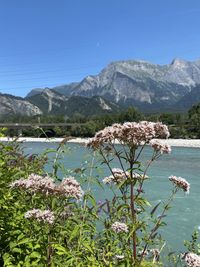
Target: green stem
x: 108, y: 164
x: 144, y: 174
x: 132, y: 203
x: 85, y: 202
x: 49, y: 250
x: 157, y: 223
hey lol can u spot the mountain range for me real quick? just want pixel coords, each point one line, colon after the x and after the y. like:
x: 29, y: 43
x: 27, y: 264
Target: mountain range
x: 146, y: 86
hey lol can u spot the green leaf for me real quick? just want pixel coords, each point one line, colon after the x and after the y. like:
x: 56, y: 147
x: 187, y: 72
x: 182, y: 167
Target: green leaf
x: 154, y: 209
x: 74, y: 233
x: 12, y: 245
x: 123, y: 206
x: 143, y: 202
x: 88, y: 246
x: 60, y: 250
x: 17, y: 250
x: 23, y: 241
x: 35, y: 254
x: 91, y: 198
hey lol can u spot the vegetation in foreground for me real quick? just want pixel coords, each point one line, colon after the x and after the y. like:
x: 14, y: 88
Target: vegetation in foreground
x: 48, y: 220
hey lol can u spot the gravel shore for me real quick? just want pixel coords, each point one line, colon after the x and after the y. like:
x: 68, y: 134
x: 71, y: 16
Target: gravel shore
x: 172, y: 142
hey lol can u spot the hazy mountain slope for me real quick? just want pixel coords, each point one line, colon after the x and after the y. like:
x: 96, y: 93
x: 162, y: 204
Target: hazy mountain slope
x: 36, y: 91
x: 90, y: 106
x: 51, y: 102
x: 65, y: 89
x: 11, y: 105
x: 190, y: 99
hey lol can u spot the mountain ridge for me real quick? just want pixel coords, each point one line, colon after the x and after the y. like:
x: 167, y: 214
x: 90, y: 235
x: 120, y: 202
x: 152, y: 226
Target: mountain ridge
x: 121, y: 84
x: 145, y: 85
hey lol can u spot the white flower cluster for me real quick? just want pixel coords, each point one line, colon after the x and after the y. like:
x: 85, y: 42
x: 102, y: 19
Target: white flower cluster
x: 192, y: 260
x: 119, y: 227
x: 131, y: 133
x: 159, y: 147
x: 119, y: 176
x: 180, y: 183
x: 119, y: 257
x: 40, y: 215
x: 69, y: 187
x: 35, y: 183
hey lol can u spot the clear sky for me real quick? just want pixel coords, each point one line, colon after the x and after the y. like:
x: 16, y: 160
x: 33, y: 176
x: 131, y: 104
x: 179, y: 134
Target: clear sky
x: 52, y: 42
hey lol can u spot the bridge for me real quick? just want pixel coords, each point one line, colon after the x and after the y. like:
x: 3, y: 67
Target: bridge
x: 37, y: 125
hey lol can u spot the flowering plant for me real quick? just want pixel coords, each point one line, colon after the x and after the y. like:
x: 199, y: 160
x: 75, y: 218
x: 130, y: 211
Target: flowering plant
x: 48, y: 220
x: 126, y: 142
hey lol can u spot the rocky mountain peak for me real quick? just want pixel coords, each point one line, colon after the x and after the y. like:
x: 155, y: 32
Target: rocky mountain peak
x: 11, y: 105
x: 179, y: 63
x: 137, y: 82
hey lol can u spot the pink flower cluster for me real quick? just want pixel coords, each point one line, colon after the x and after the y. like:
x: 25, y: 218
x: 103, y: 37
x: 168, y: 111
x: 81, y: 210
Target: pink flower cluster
x: 119, y: 257
x: 119, y: 227
x: 40, y: 215
x: 180, y: 183
x: 35, y: 183
x: 192, y: 260
x: 131, y: 133
x: 159, y: 147
x: 118, y: 177
x: 69, y: 187
x: 139, y: 176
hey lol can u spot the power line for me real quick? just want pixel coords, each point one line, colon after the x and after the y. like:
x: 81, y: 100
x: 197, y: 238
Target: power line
x: 41, y: 83
x: 49, y: 51
x: 43, y: 71
x: 44, y: 78
x: 31, y: 63
x: 32, y: 87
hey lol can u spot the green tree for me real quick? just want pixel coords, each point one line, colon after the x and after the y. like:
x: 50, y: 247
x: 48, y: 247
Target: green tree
x: 131, y: 114
x: 194, y: 119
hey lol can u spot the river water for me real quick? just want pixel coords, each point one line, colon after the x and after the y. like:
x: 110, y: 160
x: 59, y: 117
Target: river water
x: 183, y: 217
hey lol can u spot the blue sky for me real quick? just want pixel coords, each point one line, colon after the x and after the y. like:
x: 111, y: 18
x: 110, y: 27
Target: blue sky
x: 52, y: 42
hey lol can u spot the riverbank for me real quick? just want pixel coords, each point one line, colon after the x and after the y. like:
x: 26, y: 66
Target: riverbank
x: 172, y: 142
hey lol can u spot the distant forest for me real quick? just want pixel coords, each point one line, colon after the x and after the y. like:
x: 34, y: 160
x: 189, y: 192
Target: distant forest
x: 181, y: 125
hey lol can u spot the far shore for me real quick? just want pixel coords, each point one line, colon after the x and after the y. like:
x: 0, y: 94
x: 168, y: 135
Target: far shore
x: 173, y: 142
